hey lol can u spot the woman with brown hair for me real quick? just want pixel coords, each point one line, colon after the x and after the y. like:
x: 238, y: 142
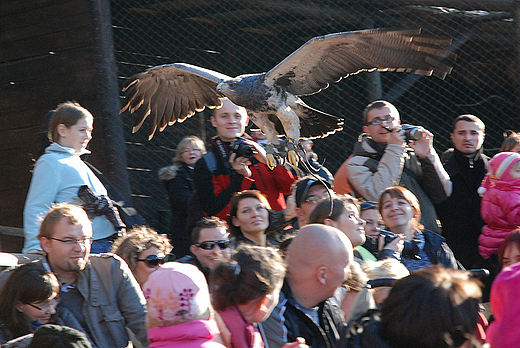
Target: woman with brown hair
x: 249, y: 218
x: 415, y: 246
x: 27, y: 301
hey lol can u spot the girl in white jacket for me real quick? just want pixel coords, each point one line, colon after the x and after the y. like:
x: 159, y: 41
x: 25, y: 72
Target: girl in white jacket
x: 60, y: 172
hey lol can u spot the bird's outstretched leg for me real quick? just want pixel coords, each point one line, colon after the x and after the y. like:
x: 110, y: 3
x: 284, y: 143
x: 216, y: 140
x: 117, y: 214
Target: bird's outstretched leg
x: 267, y: 127
x: 292, y: 155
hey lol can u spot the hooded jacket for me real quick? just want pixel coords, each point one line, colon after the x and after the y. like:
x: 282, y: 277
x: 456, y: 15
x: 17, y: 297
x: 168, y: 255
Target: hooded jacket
x: 193, y: 334
x: 372, y: 168
x: 501, y: 211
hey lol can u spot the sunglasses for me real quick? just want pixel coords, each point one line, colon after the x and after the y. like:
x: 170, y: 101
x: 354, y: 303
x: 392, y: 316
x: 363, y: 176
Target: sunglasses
x: 152, y: 261
x: 209, y: 245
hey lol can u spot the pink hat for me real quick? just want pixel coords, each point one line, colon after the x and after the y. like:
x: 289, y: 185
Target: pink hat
x: 176, y: 293
x: 505, y: 291
x: 499, y: 169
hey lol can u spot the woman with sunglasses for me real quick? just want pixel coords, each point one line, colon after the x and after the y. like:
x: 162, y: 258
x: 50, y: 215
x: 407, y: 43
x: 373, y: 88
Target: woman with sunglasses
x: 249, y: 219
x: 27, y: 301
x: 144, y: 250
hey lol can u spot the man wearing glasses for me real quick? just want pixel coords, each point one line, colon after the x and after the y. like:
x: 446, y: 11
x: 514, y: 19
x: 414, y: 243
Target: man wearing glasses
x: 98, y: 292
x: 211, y: 245
x: 383, y: 157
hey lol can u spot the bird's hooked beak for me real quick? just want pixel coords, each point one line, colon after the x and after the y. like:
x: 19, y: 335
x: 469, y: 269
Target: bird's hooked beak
x: 220, y: 87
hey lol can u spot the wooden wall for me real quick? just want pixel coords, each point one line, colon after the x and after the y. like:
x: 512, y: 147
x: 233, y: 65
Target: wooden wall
x: 53, y: 51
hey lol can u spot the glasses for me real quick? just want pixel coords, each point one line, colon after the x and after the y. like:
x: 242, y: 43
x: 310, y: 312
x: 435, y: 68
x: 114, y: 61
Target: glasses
x: 71, y: 241
x: 379, y: 121
x: 210, y: 244
x: 46, y: 304
x: 152, y: 261
x: 316, y: 199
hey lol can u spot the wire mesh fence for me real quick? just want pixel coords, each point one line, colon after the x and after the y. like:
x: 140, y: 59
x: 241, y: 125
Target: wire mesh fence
x: 238, y: 37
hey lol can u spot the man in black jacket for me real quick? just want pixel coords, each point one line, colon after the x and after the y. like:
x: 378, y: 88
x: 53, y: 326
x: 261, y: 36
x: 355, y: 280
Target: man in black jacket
x: 460, y: 213
x: 317, y: 263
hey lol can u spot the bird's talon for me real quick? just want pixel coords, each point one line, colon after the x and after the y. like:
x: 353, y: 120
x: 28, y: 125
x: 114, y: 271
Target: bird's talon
x: 293, y: 158
x: 270, y: 161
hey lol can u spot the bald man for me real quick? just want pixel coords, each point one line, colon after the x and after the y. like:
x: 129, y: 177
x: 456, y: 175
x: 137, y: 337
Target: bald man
x: 317, y: 264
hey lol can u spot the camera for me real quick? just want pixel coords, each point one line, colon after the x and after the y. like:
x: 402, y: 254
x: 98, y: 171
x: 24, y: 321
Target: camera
x: 241, y: 149
x: 410, y: 247
x: 411, y: 132
x: 388, y: 237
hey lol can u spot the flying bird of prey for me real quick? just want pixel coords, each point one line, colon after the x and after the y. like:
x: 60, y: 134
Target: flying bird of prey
x: 170, y: 93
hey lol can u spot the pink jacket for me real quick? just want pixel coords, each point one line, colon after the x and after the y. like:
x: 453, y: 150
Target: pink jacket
x: 193, y: 334
x: 500, y: 209
x: 243, y: 334
x: 503, y: 332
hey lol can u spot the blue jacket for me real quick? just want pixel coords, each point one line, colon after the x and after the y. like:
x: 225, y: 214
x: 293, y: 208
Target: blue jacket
x: 57, y: 176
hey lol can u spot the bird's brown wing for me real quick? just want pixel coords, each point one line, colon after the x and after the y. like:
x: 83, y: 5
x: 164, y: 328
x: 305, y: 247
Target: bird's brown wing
x: 170, y: 93
x: 327, y: 59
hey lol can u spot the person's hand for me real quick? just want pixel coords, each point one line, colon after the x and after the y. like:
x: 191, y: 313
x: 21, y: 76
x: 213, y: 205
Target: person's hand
x: 396, y: 245
x: 424, y: 146
x: 299, y: 343
x: 240, y: 165
x: 258, y: 150
x: 396, y: 136
x: 290, y: 206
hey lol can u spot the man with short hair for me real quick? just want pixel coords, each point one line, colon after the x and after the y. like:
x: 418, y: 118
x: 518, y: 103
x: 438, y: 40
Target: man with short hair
x: 460, y: 213
x: 383, y: 157
x: 98, y: 292
x: 318, y: 261
x: 220, y: 172
x: 210, y: 245
x: 308, y: 192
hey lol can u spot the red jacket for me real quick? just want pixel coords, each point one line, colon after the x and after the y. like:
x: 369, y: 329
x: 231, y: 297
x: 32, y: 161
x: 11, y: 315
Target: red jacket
x: 215, y: 188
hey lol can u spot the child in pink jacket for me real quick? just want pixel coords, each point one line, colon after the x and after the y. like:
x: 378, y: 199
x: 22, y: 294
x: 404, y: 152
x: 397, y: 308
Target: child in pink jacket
x: 500, y: 208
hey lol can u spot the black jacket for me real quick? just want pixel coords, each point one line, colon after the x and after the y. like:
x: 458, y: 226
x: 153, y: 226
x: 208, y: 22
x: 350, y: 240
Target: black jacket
x: 179, y: 183
x: 460, y: 213
x: 287, y: 322
x: 364, y: 333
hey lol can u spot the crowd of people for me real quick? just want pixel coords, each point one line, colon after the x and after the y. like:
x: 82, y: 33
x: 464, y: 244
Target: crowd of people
x: 380, y: 255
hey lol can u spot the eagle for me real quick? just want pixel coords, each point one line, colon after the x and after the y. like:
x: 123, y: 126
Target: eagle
x: 171, y: 93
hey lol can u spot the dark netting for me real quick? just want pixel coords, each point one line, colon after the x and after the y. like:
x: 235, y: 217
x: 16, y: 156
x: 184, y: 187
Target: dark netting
x: 237, y: 37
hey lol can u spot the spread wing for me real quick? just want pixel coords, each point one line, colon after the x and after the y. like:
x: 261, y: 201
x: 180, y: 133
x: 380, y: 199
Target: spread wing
x: 327, y: 59
x: 170, y: 93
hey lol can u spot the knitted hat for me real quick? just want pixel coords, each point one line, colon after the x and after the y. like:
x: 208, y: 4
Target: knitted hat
x: 176, y: 293
x: 503, y: 332
x: 499, y: 169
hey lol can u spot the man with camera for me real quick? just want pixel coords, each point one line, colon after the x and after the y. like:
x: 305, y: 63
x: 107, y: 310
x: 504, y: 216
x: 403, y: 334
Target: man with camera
x: 234, y: 164
x: 389, y: 154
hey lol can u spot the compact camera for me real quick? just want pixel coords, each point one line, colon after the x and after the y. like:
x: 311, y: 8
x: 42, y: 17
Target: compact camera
x: 241, y: 149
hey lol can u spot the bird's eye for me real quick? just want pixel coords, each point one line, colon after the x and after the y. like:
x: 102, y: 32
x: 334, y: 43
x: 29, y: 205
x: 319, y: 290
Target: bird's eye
x: 232, y: 85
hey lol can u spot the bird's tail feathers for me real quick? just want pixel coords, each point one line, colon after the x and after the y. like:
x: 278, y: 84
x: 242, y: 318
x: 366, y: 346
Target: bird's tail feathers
x: 315, y: 123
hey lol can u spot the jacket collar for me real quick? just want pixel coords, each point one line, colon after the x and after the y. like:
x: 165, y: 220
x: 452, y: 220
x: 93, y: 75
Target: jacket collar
x: 55, y: 147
